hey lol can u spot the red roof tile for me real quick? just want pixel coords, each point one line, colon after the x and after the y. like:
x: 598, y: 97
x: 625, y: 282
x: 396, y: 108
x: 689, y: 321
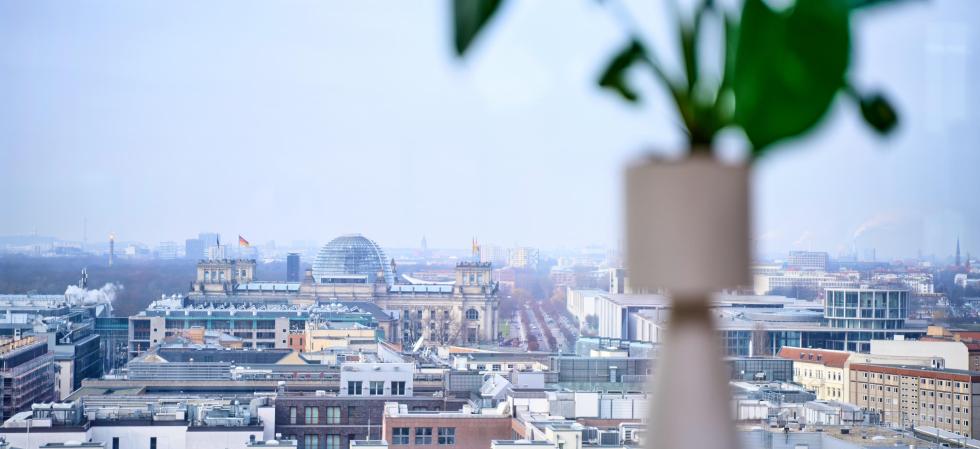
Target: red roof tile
x: 825, y: 357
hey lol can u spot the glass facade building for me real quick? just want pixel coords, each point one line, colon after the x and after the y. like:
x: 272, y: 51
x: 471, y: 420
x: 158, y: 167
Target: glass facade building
x: 866, y: 308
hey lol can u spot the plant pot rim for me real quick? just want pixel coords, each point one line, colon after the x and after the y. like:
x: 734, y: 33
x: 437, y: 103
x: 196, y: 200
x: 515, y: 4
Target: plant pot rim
x: 653, y: 158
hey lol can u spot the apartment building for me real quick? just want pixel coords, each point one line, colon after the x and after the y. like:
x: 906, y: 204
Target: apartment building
x: 819, y: 370
x: 329, y: 421
x: 465, y: 428
x: 918, y: 396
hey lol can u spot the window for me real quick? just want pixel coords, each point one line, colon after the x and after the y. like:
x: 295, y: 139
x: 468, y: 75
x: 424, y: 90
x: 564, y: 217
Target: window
x: 423, y: 435
x: 398, y: 388
x: 376, y: 388
x: 447, y: 435
x: 292, y: 415
x: 153, y: 442
x: 312, y: 415
x: 333, y: 415
x: 399, y: 435
x: 311, y: 442
x: 354, y: 387
x: 332, y: 441
x: 472, y: 314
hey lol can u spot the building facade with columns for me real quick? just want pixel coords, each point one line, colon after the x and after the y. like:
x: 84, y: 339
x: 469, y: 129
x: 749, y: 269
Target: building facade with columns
x: 353, y: 268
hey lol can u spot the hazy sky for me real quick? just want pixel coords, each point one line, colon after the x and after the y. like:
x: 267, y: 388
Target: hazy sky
x: 293, y: 120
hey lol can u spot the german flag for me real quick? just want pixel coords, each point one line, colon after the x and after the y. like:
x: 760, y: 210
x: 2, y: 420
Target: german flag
x: 242, y: 242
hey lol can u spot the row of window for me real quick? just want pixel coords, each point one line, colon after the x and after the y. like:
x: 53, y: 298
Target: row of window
x: 312, y: 415
x: 445, y: 436
x: 471, y: 314
x: 929, y: 419
x: 931, y: 394
x: 830, y: 375
x: 375, y: 388
x: 312, y: 441
x: 930, y: 406
x: 922, y: 381
x: 948, y: 408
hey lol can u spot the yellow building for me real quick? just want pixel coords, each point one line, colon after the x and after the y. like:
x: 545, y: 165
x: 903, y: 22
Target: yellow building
x: 819, y: 370
x: 327, y: 336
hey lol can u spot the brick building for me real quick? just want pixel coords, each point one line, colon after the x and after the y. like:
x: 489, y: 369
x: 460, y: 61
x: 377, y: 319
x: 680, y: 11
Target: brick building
x: 321, y: 421
x: 463, y: 429
x: 918, y: 396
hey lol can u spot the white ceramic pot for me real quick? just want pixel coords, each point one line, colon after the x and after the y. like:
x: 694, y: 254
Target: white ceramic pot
x: 688, y: 232
x: 687, y: 226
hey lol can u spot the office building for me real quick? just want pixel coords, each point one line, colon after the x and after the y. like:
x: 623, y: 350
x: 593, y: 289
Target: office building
x: 866, y: 308
x: 260, y: 324
x: 916, y: 396
x: 67, y: 323
x: 77, y: 352
x: 113, y: 335
x: 802, y: 282
x: 194, y: 249
x: 808, y: 260
x: 493, y: 254
x: 619, y: 281
x: 292, y: 267
x: 747, y: 325
x: 523, y: 257
x: 960, y: 355
x: 119, y: 422
x: 26, y: 374
x: 167, y: 251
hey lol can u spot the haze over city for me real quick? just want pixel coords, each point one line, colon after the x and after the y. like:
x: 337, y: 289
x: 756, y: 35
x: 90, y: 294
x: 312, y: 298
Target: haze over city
x: 303, y: 121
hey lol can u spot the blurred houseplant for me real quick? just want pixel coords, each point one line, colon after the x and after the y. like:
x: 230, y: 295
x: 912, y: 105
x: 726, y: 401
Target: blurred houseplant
x: 688, y: 220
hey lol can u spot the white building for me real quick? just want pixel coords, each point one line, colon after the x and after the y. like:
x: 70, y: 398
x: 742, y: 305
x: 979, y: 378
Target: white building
x: 168, y: 251
x: 956, y: 354
x: 376, y: 379
x: 807, y: 279
x: 141, y: 422
x: 581, y: 303
x: 523, y: 257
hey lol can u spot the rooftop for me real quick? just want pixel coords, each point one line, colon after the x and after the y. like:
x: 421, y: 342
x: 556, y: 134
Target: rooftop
x: 524, y: 443
x: 920, y: 371
x: 825, y: 357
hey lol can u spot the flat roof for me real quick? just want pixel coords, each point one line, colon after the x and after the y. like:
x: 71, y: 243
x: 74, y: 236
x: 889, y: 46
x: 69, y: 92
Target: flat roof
x: 919, y: 371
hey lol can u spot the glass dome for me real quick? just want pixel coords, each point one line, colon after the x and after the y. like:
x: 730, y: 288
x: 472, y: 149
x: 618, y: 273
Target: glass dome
x: 351, y: 258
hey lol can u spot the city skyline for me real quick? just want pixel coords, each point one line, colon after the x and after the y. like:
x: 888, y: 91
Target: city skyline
x: 854, y: 252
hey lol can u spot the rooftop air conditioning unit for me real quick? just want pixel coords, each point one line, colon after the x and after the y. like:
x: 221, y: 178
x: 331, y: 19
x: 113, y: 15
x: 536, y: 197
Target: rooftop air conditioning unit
x: 590, y: 435
x: 608, y: 437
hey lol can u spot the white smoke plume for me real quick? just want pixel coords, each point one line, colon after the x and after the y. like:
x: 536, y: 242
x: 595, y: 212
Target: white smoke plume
x: 78, y: 296
x: 876, y: 222
x: 805, y: 240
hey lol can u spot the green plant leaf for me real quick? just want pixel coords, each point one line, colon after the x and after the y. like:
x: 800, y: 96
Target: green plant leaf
x: 469, y: 18
x: 878, y: 113
x: 614, y: 76
x: 789, y: 65
x: 857, y: 4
